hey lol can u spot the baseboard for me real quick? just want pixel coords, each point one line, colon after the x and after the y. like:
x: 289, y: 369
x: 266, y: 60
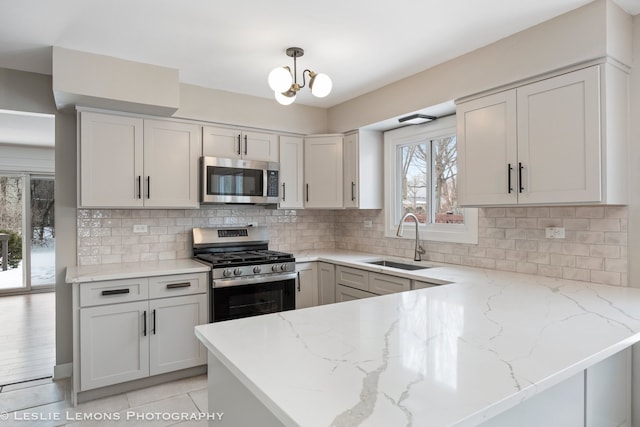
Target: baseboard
x: 111, y: 390
x: 64, y: 370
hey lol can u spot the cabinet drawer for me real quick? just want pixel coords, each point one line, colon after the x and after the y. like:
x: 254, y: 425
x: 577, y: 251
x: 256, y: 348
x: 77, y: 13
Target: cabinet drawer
x: 382, y: 284
x: 177, y: 284
x: 417, y: 284
x: 352, y: 277
x: 114, y: 291
x: 345, y: 293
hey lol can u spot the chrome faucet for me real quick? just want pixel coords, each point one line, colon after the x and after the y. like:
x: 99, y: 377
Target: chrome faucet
x: 419, y: 249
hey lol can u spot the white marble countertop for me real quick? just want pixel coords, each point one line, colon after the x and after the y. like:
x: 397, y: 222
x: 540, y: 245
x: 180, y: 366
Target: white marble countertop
x: 94, y: 273
x: 451, y: 355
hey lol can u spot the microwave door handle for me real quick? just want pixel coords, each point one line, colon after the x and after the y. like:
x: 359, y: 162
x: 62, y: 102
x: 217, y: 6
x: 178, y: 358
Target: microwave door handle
x: 265, y: 182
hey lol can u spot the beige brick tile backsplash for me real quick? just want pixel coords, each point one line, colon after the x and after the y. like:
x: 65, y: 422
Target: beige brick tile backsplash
x: 510, y: 239
x: 513, y: 239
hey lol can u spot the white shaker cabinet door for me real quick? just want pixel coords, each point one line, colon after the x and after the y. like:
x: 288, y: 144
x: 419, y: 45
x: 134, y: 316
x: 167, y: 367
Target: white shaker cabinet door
x: 260, y: 146
x: 171, y: 156
x: 323, y: 172
x: 173, y: 344
x: 114, y: 344
x: 487, y: 153
x: 291, y: 172
x: 221, y: 142
x: 559, y: 139
x: 110, y: 161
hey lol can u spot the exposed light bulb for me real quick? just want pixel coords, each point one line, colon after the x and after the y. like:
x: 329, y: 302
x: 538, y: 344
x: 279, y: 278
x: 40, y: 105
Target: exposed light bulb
x: 320, y: 85
x: 285, y: 100
x: 280, y: 79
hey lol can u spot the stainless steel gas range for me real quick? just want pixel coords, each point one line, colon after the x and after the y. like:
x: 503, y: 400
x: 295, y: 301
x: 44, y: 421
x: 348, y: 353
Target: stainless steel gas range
x: 247, y: 279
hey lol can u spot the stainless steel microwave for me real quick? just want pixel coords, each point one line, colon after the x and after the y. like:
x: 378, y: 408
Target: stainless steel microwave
x: 238, y: 181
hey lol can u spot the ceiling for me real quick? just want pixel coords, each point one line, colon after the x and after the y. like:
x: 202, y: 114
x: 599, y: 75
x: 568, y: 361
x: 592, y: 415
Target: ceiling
x: 233, y: 45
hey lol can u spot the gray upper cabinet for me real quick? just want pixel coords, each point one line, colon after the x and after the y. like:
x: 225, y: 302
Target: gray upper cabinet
x: 560, y: 140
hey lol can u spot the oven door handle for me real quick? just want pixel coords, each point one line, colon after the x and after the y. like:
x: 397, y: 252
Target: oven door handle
x: 252, y: 280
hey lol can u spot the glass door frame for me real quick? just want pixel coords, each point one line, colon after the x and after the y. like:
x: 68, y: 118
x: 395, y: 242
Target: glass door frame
x: 26, y: 236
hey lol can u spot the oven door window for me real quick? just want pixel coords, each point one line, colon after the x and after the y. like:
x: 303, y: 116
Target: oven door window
x: 226, y: 181
x: 234, y: 302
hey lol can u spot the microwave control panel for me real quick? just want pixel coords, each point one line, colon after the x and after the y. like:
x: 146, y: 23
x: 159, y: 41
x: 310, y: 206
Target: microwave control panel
x: 272, y: 183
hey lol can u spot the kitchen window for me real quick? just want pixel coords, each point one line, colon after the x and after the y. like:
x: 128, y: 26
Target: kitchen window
x: 421, y: 178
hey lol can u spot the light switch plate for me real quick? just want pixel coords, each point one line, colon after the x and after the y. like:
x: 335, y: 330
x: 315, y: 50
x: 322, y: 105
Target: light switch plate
x: 368, y: 223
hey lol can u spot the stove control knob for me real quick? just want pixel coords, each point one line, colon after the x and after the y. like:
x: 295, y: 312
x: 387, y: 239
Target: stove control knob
x: 275, y: 267
x: 227, y: 272
x: 283, y: 267
x: 237, y: 271
x: 257, y: 269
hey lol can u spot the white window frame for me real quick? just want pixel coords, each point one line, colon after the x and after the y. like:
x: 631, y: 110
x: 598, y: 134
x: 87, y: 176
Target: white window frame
x: 453, y: 233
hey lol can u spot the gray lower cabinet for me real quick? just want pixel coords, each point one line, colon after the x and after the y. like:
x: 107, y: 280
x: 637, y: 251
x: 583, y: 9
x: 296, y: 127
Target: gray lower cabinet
x: 307, y: 287
x: 134, y: 328
x: 326, y: 283
x: 366, y: 283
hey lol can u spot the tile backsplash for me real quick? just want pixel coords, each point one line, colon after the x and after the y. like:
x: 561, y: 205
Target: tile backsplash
x: 511, y: 239
x: 105, y: 236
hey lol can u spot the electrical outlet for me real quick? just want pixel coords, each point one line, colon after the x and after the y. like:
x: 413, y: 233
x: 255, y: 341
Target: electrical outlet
x: 140, y: 228
x: 554, y: 232
x: 368, y: 224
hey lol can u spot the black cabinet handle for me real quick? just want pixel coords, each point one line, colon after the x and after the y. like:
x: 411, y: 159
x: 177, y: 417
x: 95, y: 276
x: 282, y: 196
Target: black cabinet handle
x: 284, y: 192
x: 115, y: 291
x: 520, y: 186
x: 245, y: 145
x: 144, y: 323
x: 239, y: 144
x: 509, y: 169
x: 148, y: 187
x: 353, y: 191
x: 139, y: 187
x: 154, y: 322
x: 307, y: 192
x: 178, y: 285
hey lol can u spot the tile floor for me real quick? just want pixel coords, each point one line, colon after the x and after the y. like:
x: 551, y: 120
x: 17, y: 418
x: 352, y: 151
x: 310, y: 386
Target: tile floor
x: 46, y: 403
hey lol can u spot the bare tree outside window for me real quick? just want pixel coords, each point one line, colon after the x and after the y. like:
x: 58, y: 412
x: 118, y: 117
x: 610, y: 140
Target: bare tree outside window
x: 42, y: 213
x: 31, y: 255
x: 429, y: 181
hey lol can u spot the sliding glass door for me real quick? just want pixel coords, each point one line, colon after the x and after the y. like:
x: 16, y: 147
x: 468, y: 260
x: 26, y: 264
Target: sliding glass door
x: 27, y: 232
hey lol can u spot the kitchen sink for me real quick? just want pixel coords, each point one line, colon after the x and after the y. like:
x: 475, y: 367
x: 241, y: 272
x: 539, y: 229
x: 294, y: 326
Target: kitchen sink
x: 401, y: 266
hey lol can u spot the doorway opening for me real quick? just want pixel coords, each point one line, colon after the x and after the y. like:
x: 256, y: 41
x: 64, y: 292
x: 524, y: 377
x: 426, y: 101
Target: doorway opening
x: 27, y: 246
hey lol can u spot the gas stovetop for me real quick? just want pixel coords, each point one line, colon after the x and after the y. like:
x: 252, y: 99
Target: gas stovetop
x: 239, y: 252
x: 241, y: 258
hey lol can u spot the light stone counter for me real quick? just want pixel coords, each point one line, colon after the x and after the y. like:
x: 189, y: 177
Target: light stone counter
x: 94, y: 273
x: 452, y: 355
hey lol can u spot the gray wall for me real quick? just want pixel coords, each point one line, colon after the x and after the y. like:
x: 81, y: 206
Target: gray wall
x: 583, y: 34
x: 31, y: 92
x: 65, y: 189
x: 634, y: 201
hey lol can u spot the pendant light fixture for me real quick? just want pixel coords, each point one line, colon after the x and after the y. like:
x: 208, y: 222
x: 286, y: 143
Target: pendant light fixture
x: 285, y: 84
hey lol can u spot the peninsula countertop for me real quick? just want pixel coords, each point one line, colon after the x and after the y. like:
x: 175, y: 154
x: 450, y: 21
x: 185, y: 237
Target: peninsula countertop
x: 451, y: 355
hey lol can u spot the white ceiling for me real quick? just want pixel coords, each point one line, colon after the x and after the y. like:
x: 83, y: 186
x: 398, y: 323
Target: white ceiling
x: 232, y: 45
